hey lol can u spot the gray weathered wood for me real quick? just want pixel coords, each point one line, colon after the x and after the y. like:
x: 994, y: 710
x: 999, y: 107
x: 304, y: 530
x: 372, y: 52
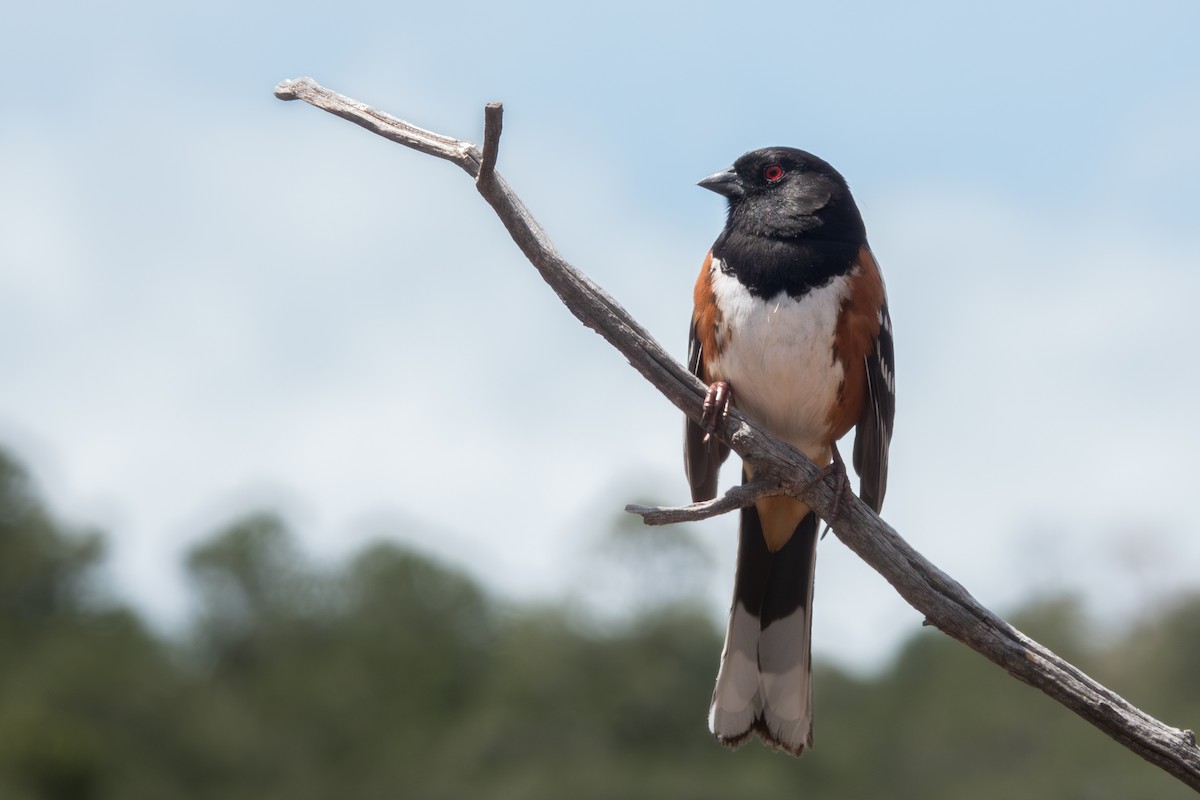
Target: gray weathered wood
x: 778, y: 467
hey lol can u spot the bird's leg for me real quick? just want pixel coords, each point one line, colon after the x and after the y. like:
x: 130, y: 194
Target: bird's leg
x: 716, y: 407
x: 836, y: 468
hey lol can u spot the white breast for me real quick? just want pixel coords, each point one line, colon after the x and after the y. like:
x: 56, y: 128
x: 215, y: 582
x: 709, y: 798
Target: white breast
x: 777, y: 356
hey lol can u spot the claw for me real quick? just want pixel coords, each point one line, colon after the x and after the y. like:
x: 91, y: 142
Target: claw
x: 716, y: 408
x: 836, y: 468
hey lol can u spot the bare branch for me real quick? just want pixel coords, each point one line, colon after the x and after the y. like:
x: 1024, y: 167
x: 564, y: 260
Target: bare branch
x: 739, y: 496
x: 944, y: 602
x: 493, y: 123
x: 465, y: 154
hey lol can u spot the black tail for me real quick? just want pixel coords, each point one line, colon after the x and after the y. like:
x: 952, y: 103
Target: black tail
x: 765, y: 682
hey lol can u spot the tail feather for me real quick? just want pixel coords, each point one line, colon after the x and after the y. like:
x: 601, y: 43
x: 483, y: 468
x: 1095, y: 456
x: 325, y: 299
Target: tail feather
x: 765, y: 682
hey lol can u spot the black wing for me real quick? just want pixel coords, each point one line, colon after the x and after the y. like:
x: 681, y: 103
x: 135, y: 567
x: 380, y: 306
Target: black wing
x: 874, y: 433
x: 702, y: 460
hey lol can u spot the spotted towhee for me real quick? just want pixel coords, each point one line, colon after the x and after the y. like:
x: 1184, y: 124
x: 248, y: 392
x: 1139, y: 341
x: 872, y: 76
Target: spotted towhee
x: 790, y: 325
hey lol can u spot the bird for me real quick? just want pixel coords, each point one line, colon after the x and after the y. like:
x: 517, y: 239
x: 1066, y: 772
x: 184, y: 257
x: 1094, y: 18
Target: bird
x: 791, y: 327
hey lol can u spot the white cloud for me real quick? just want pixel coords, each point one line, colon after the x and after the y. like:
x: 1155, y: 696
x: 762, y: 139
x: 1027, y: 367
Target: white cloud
x: 1048, y: 392
x: 308, y: 322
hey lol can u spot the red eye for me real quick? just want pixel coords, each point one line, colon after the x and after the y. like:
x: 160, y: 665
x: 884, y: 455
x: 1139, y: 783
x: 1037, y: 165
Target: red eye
x: 773, y: 172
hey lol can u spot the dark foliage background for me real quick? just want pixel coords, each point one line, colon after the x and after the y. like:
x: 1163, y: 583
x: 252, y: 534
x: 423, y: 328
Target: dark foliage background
x: 396, y: 676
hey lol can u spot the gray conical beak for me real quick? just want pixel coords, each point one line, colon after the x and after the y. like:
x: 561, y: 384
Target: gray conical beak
x: 725, y: 182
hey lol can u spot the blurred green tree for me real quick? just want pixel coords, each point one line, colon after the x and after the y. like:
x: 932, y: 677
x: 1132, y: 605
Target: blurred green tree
x: 85, y: 690
x: 396, y: 676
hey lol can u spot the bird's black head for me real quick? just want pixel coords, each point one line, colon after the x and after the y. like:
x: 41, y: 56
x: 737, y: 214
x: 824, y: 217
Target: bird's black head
x: 785, y: 193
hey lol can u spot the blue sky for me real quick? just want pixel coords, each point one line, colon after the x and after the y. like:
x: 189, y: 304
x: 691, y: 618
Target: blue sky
x: 212, y: 301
